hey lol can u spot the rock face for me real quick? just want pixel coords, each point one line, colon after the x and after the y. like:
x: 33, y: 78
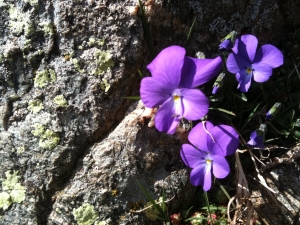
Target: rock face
x: 65, y: 66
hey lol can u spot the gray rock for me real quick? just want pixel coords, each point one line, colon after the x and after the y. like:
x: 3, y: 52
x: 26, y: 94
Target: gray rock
x: 88, y: 53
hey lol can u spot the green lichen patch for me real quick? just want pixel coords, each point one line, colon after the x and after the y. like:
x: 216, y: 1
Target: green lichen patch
x: 20, y: 150
x: 47, y: 28
x: 60, y: 100
x: 39, y: 129
x: 104, y: 62
x: 5, y: 200
x: 93, y: 42
x: 104, y: 85
x: 14, y: 191
x: 45, y: 77
x: 20, y: 22
x: 100, y: 223
x: 32, y: 2
x: 49, y: 140
x: 35, y: 105
x: 78, y: 65
x: 85, y: 214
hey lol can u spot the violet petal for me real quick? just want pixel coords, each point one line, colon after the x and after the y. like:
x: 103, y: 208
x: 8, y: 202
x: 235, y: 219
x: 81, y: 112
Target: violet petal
x: 198, y: 135
x: 167, y: 66
x: 201, y: 175
x: 256, y: 140
x: 262, y: 72
x: 220, y: 166
x: 195, y: 104
x: 246, y: 46
x: 153, y: 93
x: 165, y: 120
x: 199, y: 71
x: 191, y: 156
x: 244, y: 80
x: 269, y: 54
x: 235, y: 63
x: 225, y: 140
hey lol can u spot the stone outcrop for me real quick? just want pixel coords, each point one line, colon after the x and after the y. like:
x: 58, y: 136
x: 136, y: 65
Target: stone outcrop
x: 65, y: 68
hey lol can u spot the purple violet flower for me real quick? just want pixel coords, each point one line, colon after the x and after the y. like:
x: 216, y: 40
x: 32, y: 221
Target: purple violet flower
x: 247, y: 61
x: 174, y: 76
x: 210, y: 145
x: 257, y: 137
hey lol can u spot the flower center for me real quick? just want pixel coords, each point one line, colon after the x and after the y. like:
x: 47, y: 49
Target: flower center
x: 176, y: 98
x: 208, y: 161
x: 249, y: 70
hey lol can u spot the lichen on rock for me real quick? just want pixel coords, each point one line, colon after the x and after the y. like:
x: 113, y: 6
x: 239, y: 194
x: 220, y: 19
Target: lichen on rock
x: 45, y: 77
x: 104, y: 62
x: 39, y: 129
x: 49, y: 140
x: 60, y: 100
x: 13, y: 190
x: 35, y: 105
x: 85, y: 214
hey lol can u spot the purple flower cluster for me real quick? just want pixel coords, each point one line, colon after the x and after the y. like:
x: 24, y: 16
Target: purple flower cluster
x: 172, y: 87
x: 247, y: 61
x: 209, y: 146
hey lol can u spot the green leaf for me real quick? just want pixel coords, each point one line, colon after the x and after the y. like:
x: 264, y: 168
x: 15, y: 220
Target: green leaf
x: 140, y: 73
x: 132, y: 97
x: 296, y: 135
x: 223, y: 110
x: 191, y: 29
x: 250, y: 116
x: 216, y: 99
x: 241, y: 96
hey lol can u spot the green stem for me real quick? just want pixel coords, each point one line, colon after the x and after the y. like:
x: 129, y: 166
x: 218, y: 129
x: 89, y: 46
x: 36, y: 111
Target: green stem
x: 222, y: 110
x: 207, y: 203
x: 263, y: 94
x: 224, y: 190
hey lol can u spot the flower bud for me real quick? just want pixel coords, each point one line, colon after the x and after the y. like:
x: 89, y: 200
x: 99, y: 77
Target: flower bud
x: 218, y: 83
x: 228, y: 41
x: 273, y: 111
x: 257, y: 137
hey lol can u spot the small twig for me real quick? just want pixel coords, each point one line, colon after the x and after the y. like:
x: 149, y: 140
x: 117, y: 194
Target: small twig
x: 148, y: 207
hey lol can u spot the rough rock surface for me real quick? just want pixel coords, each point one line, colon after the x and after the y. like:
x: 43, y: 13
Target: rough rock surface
x: 65, y: 66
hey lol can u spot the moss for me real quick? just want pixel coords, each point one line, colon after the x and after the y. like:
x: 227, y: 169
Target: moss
x: 44, y: 77
x: 47, y: 28
x: 104, y: 85
x: 85, y: 214
x: 39, y: 129
x: 104, y: 62
x: 35, y: 105
x: 49, y: 140
x: 15, y: 192
x: 60, y: 100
